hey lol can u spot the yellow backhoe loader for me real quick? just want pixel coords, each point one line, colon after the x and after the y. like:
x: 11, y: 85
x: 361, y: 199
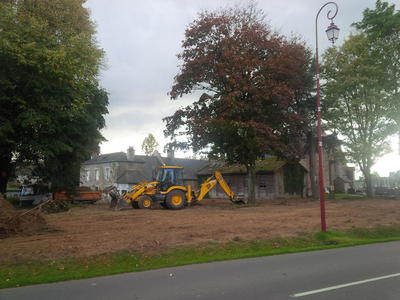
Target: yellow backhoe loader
x: 169, y: 190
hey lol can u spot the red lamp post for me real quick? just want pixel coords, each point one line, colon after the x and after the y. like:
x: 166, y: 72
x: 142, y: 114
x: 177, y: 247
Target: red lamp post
x: 332, y: 33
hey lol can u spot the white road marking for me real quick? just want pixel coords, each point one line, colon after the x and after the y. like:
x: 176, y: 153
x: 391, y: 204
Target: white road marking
x: 340, y: 286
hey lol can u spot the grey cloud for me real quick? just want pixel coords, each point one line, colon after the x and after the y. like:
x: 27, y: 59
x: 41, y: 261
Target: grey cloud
x: 142, y: 38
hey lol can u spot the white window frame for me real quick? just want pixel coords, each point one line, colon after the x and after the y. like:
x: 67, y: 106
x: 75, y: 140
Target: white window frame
x: 107, y: 173
x: 87, y: 175
x: 96, y: 174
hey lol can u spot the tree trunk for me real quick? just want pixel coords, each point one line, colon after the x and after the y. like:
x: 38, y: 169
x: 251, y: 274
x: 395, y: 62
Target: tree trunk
x: 312, y: 154
x: 398, y: 135
x: 251, y: 174
x: 5, y: 168
x: 368, y: 182
x: 331, y: 184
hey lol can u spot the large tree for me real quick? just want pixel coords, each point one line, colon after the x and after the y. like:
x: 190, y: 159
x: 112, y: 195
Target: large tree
x: 254, y: 84
x: 381, y: 27
x: 356, y: 104
x: 363, y: 87
x: 51, y: 106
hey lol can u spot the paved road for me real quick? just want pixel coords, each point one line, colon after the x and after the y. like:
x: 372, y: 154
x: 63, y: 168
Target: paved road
x: 364, y: 272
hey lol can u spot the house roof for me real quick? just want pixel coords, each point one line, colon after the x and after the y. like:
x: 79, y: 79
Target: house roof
x: 269, y: 164
x: 190, y: 166
x: 106, y: 158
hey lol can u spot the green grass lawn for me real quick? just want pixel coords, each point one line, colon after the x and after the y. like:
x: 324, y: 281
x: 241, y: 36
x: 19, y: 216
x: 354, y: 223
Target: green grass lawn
x: 34, y: 272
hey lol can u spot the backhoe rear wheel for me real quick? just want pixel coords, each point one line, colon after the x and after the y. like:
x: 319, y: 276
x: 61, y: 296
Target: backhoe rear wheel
x: 176, y: 199
x: 145, y: 202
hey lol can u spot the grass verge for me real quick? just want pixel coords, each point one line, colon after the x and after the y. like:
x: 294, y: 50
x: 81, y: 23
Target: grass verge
x: 339, y: 196
x: 34, y: 272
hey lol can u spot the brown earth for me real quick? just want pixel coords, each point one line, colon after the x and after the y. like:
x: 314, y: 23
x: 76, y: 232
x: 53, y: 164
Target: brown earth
x: 95, y: 229
x: 14, y: 222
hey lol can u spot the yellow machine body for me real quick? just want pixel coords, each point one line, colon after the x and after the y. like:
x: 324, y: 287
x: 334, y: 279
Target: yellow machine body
x: 170, y: 191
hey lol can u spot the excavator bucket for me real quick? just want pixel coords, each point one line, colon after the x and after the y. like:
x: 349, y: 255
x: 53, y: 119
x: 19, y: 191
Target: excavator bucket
x: 239, y: 201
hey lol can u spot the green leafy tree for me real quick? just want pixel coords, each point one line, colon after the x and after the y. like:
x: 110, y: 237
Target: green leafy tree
x: 355, y: 103
x: 254, y: 84
x: 149, y: 144
x: 51, y: 106
x: 381, y: 26
x: 363, y: 87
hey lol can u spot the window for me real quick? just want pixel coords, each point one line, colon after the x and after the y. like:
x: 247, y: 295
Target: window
x: 96, y: 174
x: 107, y: 174
x: 27, y: 191
x: 87, y: 175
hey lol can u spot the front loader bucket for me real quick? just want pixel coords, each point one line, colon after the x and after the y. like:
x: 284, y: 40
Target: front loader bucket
x: 115, y: 197
x: 115, y: 201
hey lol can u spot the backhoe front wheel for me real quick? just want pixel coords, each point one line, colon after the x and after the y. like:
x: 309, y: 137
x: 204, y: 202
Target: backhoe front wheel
x: 176, y: 199
x: 145, y: 202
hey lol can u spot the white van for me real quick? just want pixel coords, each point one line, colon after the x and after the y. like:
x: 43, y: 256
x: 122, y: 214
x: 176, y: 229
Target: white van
x: 34, y: 194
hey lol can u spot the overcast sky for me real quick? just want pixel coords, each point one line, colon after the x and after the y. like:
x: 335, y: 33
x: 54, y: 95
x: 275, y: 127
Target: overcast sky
x: 142, y: 38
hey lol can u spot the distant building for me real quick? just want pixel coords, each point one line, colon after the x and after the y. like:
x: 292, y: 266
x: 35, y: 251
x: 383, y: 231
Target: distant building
x: 338, y: 177
x: 123, y: 170
x: 274, y: 178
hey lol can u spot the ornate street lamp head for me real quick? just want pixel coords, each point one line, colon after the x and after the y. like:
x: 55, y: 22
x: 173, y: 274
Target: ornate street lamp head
x: 332, y: 32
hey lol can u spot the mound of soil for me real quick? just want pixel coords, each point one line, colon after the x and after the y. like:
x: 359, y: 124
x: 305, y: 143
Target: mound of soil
x: 14, y: 222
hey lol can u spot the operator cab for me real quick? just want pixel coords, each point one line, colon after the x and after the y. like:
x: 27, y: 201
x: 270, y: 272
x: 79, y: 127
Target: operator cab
x: 169, y: 176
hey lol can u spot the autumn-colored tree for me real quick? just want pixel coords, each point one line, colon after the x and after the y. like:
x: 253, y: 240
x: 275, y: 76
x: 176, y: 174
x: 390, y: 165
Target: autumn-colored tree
x: 254, y: 83
x: 149, y: 144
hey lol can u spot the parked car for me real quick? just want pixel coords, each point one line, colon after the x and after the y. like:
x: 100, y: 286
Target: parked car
x: 34, y: 194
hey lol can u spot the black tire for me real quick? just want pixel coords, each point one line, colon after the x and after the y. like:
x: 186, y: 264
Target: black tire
x: 145, y: 201
x: 176, y: 199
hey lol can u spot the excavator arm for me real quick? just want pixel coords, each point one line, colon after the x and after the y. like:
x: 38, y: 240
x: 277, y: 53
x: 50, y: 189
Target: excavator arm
x: 205, y: 187
x: 211, y: 182
x: 224, y: 186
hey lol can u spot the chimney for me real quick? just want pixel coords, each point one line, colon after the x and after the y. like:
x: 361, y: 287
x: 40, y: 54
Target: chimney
x: 95, y: 153
x: 170, y: 153
x: 130, y: 154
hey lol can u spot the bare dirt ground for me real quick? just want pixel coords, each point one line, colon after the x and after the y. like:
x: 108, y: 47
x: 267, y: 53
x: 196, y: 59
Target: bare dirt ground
x: 95, y: 229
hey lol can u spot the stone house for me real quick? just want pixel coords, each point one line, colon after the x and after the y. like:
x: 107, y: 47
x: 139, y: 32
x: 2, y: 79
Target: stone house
x: 123, y: 170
